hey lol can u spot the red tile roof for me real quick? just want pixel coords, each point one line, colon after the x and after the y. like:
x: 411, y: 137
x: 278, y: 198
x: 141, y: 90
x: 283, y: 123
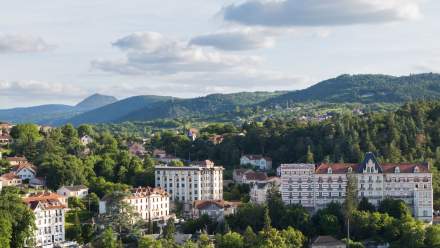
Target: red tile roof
x: 46, y: 200
x: 16, y: 159
x: 147, y: 191
x: 200, y: 204
x: 253, y: 175
x: 9, y: 176
x: 342, y: 168
x: 24, y: 165
x: 405, y: 168
x: 338, y: 168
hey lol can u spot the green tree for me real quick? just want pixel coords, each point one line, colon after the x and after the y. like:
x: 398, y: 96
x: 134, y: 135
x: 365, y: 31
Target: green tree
x: 293, y: 238
x: 432, y: 236
x: 169, y: 230
x: 149, y: 242
x: 5, y: 230
x: 395, y: 208
x: 310, y: 158
x: 267, y: 220
x: 204, y: 241
x: 120, y: 215
x: 20, y: 217
x: 107, y: 239
x: 365, y: 205
x: 76, y: 229
x: 249, y: 238
x: 231, y: 240
x: 26, y: 138
x: 177, y: 163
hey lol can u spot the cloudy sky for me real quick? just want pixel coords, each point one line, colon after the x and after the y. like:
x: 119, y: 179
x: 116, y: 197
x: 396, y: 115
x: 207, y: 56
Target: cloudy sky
x: 60, y: 51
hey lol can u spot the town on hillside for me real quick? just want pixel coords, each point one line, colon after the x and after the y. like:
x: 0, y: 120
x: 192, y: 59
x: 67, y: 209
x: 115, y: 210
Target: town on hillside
x: 87, y: 187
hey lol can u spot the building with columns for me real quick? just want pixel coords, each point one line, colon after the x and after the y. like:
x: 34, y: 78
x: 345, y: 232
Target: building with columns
x: 314, y: 186
x: 199, y: 181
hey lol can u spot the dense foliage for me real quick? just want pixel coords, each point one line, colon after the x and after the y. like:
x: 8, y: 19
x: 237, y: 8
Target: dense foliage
x: 410, y: 134
x: 368, y: 88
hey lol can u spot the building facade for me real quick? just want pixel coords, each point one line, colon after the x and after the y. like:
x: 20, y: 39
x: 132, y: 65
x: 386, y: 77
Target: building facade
x: 202, y: 181
x: 260, y: 190
x: 257, y: 161
x: 49, y: 209
x: 79, y: 191
x: 152, y: 204
x: 314, y: 186
x: 215, y: 209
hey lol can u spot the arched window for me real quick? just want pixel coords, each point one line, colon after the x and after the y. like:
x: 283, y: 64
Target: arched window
x: 416, y: 169
x: 397, y: 170
x: 329, y: 170
x: 350, y: 170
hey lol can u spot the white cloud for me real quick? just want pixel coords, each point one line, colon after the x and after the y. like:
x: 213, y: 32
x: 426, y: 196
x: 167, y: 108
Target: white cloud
x: 152, y: 53
x: 33, y: 88
x: 285, y: 13
x: 22, y: 43
x: 156, y: 64
x: 237, y: 39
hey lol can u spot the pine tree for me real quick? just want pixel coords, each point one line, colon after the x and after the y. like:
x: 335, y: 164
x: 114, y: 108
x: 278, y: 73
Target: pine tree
x: 267, y: 221
x: 309, y: 157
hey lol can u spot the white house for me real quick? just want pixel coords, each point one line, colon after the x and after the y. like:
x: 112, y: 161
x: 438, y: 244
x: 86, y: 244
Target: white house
x: 49, y: 209
x: 79, y: 191
x: 25, y: 171
x: 215, y: 209
x: 5, y: 139
x: 10, y: 179
x: 14, y: 161
x: 85, y: 140
x: 258, y: 161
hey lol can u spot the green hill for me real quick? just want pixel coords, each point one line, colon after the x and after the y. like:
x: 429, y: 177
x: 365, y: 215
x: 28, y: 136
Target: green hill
x: 95, y: 101
x: 51, y: 114
x: 197, y: 107
x: 116, y: 110
x: 367, y: 89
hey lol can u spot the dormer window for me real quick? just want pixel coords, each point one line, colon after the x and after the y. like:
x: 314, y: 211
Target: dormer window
x: 397, y: 170
x: 329, y: 170
x: 350, y: 170
x: 416, y: 169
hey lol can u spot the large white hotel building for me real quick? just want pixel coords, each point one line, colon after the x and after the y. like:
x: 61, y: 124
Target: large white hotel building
x: 314, y: 186
x: 200, y: 181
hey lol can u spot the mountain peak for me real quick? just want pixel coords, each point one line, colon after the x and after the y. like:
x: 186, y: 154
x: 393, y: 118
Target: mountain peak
x: 95, y: 101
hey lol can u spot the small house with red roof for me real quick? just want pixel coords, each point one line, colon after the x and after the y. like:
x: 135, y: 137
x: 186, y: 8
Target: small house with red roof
x: 215, y: 209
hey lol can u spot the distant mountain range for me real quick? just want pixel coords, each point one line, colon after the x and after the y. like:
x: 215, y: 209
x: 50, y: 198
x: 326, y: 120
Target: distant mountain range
x: 343, y: 89
x: 54, y: 113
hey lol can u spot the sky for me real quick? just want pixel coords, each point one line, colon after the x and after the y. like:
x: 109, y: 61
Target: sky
x: 61, y: 51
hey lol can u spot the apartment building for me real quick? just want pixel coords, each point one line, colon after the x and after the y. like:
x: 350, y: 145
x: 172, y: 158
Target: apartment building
x: 314, y: 186
x: 49, y: 209
x: 152, y: 204
x: 199, y: 181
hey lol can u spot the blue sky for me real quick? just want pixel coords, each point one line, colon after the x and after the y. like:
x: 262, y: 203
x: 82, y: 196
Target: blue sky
x: 60, y: 51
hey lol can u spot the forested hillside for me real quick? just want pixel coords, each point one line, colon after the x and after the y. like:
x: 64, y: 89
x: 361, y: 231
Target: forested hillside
x: 52, y: 114
x: 199, y: 107
x: 113, y: 112
x: 367, y: 89
x: 411, y: 134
